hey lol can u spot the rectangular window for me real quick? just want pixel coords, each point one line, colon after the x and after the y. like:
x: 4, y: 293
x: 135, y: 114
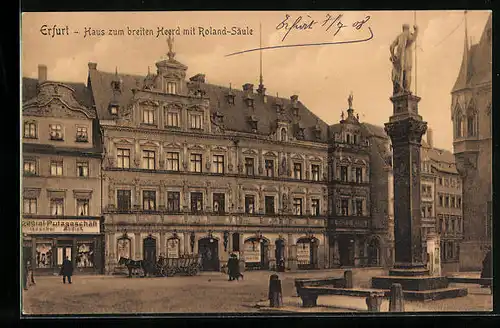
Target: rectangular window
x: 452, y: 201
x: 172, y: 119
x: 148, y: 116
x: 269, y: 163
x: 219, y: 203
x: 123, y: 156
x: 459, y: 202
x: 219, y: 164
x: 172, y: 161
x: 249, y: 204
x: 315, y: 207
x: 196, y: 121
x: 446, y: 201
x: 440, y: 226
x: 195, y: 162
x: 56, y: 132
x: 359, y: 207
x: 196, y: 202
x: 57, y: 206
x: 441, y: 200
x: 148, y: 159
x: 81, y: 134
x: 269, y: 204
x: 297, y: 206
x: 30, y: 130
x: 56, y: 168
x: 249, y: 168
x: 297, y: 171
x: 343, y: 173
x: 315, y: 172
x: 29, y: 205
x: 359, y: 175
x: 82, y: 169
x: 173, y: 201
x: 124, y: 200
x: 82, y: 207
x: 344, y: 207
x: 29, y: 167
x: 149, y: 200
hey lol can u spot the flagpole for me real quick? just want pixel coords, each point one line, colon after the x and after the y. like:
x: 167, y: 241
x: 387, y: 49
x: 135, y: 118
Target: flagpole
x: 415, y: 24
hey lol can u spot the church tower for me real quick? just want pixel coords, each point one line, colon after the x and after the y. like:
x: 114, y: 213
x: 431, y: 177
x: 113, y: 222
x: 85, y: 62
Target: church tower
x: 472, y: 145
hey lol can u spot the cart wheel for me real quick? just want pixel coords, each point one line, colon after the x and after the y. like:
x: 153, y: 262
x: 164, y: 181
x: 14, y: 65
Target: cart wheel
x: 192, y: 270
x: 170, y: 272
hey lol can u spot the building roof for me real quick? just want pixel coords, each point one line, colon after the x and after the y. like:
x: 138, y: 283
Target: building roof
x: 375, y: 130
x: 476, y: 62
x: 236, y: 117
x: 82, y: 94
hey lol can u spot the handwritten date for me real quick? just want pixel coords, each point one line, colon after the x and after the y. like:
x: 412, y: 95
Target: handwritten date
x: 330, y: 23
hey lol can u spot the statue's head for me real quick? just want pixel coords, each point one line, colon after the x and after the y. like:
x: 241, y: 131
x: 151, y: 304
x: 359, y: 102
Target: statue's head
x: 406, y: 28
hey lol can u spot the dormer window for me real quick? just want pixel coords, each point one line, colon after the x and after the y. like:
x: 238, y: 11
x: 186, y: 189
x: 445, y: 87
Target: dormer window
x: 283, y: 134
x: 113, y: 109
x: 171, y: 88
x: 30, y: 130
x: 81, y: 134
x: 252, y: 120
x: 348, y: 138
x: 317, y: 133
x: 295, y: 111
x: 56, y: 132
x: 300, y: 134
x: 355, y: 139
x: 230, y: 99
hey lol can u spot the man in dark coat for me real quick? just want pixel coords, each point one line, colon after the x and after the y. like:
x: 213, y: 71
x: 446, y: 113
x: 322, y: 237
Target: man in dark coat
x: 487, y: 271
x: 66, y: 269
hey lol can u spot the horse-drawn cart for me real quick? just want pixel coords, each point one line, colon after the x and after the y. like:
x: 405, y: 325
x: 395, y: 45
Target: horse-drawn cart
x: 187, y: 264
x: 165, y: 267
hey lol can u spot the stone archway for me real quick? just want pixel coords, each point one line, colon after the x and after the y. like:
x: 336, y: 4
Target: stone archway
x: 208, y: 248
x: 256, y: 253
x: 307, y: 253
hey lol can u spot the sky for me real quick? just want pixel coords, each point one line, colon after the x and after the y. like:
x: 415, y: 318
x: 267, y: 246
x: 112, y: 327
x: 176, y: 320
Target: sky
x: 322, y: 76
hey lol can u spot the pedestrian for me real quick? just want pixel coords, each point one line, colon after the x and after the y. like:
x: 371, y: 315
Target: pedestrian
x: 486, y: 272
x: 31, y: 274
x: 25, y: 275
x: 231, y: 266
x: 66, y: 270
x: 235, y: 271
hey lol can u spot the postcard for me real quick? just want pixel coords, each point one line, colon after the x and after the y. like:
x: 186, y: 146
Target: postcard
x: 256, y: 162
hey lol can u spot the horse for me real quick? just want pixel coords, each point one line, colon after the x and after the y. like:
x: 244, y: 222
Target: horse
x: 131, y: 265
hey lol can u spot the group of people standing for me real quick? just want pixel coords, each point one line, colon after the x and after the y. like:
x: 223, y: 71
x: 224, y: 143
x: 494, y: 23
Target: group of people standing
x: 29, y: 277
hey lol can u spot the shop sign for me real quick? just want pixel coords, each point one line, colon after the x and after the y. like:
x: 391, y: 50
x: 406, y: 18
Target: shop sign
x: 60, y: 226
x: 252, y: 252
x: 304, y: 252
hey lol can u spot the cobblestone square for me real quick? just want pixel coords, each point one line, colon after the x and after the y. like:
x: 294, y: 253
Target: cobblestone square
x: 205, y: 293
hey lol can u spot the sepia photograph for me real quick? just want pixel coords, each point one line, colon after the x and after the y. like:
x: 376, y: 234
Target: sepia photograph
x: 245, y: 162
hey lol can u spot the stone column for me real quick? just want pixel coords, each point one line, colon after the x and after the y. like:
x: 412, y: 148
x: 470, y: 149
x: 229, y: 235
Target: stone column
x: 326, y: 247
x: 405, y: 129
x: 289, y: 168
x: 187, y: 246
x: 208, y: 197
x: 162, y: 196
x: 272, y: 256
x: 162, y: 249
x: 138, y: 251
x: 107, y: 264
x: 185, y: 157
x: 112, y: 248
x: 307, y: 203
x: 137, y: 155
x: 261, y: 162
x: 161, y: 158
x: 292, y: 253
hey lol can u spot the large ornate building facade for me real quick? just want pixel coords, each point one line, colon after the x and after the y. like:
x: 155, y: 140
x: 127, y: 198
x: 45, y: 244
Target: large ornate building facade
x: 197, y: 168
x: 472, y: 142
x: 61, y: 185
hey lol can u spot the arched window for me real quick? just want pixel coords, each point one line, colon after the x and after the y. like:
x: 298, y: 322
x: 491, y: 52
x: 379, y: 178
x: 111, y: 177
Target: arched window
x: 283, y: 134
x: 471, y: 124
x: 348, y: 138
x: 458, y: 125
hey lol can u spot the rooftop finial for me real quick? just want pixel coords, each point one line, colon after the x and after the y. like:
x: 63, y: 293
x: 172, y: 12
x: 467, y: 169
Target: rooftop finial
x: 342, y: 115
x: 170, y: 42
x: 350, y: 99
x: 149, y: 72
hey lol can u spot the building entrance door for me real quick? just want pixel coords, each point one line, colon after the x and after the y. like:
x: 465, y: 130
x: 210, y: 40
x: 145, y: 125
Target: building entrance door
x: 149, y: 250
x: 62, y: 252
x: 208, y: 248
x: 346, y: 250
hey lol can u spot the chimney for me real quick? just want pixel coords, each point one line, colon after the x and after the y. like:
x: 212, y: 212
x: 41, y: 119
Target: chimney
x: 92, y: 66
x: 429, y: 137
x: 248, y: 87
x: 42, y: 73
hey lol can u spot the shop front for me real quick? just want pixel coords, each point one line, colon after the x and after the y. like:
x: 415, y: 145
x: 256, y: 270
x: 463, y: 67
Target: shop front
x: 46, y: 242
